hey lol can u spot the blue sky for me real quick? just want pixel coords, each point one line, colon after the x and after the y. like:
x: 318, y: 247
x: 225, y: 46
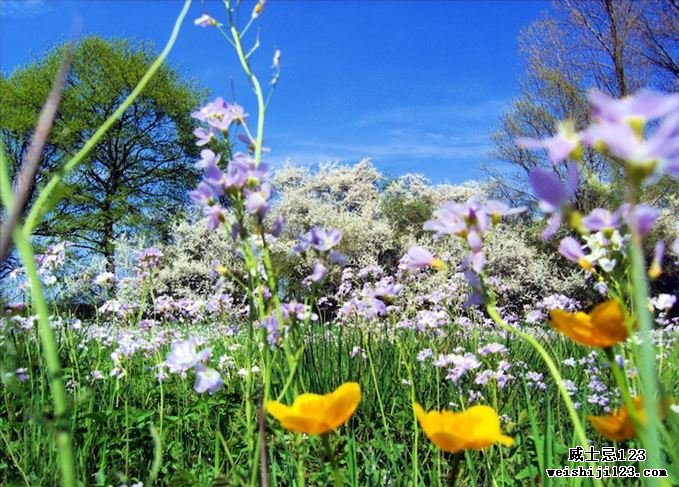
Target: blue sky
x: 415, y: 85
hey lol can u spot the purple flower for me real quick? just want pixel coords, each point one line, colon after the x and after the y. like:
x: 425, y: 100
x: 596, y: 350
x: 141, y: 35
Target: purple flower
x: 619, y: 125
x: 203, y: 194
x: 497, y: 209
x: 319, y: 272
x: 319, y: 239
x: 455, y: 219
x: 601, y: 219
x: 105, y: 279
x: 572, y: 250
x: 463, y: 364
x: 419, y: 258
x: 258, y: 201
x: 645, y: 105
x: 215, y: 215
x: 601, y: 287
x: 554, y: 194
x: 22, y: 374
x: 640, y: 218
x: 183, y: 356
x: 560, y: 146
x: 663, y: 302
x: 336, y: 257
x: 215, y: 113
x: 493, y: 348
x: 656, y: 265
x: 207, y: 380
x: 535, y: 380
x: 621, y: 140
x: 205, y: 136
x: 149, y: 257
x: 387, y: 290
x: 424, y: 354
x: 214, y: 177
x: 278, y: 226
x: 236, y: 113
x: 205, y: 21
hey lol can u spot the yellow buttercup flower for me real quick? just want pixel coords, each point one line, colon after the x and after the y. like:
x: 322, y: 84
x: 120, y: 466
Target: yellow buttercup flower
x: 618, y: 426
x: 474, y: 429
x: 316, y: 414
x: 603, y: 327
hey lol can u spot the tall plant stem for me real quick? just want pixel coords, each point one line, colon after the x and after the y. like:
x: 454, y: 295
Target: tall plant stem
x: 647, y: 366
x: 333, y: 463
x: 51, y: 357
x: 554, y: 372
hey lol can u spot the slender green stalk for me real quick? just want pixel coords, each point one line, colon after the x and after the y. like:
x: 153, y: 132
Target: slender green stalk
x: 333, y: 462
x: 373, y: 374
x: 454, y: 469
x: 575, y: 419
x: 647, y: 366
x: 13, y: 458
x: 625, y: 393
x: 51, y: 358
x: 261, y: 108
x: 42, y: 202
x: 49, y: 345
x: 413, y: 400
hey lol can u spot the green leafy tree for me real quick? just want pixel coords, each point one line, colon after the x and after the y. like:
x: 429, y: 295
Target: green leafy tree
x: 137, y: 177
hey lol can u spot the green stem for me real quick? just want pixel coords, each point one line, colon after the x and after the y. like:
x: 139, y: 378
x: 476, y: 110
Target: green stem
x: 51, y: 358
x: 261, y: 108
x: 647, y: 366
x: 373, y: 374
x: 13, y: 458
x: 577, y: 425
x: 624, y: 392
x: 333, y: 462
x: 43, y: 199
x: 454, y: 469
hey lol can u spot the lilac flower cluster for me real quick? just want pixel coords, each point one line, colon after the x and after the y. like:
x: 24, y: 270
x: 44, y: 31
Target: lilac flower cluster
x: 323, y: 243
x: 289, y: 312
x: 617, y: 128
x: 469, y: 221
x: 50, y: 262
x: 148, y: 261
x: 244, y: 181
x: 540, y: 311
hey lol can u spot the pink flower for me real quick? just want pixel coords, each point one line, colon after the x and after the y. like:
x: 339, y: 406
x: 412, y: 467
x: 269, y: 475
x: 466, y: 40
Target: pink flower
x: 420, y: 258
x: 205, y: 21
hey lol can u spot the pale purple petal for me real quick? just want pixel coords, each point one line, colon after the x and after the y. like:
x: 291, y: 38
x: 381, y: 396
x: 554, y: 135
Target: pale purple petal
x: 207, y: 380
x: 571, y: 249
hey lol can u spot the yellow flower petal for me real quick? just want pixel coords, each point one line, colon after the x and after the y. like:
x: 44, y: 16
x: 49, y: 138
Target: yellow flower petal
x: 446, y: 441
x: 615, y: 427
x: 506, y: 440
x: 342, y: 403
x: 474, y: 429
x: 316, y: 414
x: 277, y: 410
x: 609, y: 320
x: 309, y: 404
x: 603, y: 328
x: 304, y: 424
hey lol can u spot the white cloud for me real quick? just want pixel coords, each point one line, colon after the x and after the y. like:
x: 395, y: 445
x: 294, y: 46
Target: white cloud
x: 23, y: 8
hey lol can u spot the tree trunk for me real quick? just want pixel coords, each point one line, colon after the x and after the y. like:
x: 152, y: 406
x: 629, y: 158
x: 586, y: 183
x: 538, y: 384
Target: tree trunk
x: 618, y: 61
x: 107, y: 241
